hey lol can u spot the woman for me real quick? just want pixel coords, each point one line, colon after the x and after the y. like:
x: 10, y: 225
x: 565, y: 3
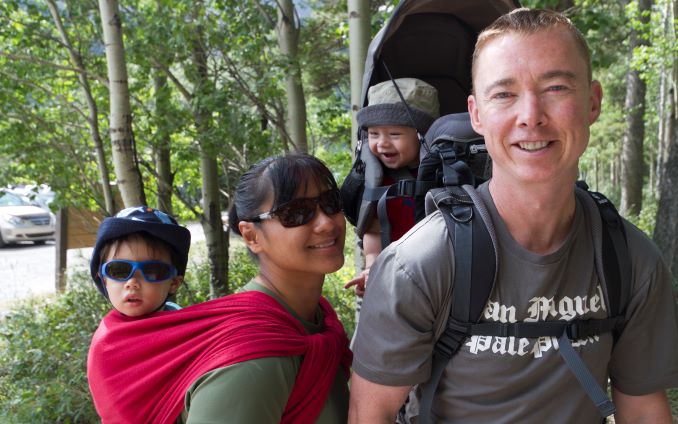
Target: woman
x: 288, y: 212
x: 275, y: 352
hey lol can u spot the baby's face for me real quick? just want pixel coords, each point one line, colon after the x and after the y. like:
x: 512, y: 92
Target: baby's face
x: 395, y: 146
x: 136, y: 296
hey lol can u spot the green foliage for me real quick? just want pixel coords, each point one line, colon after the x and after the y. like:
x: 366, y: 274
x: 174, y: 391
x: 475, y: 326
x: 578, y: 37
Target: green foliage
x: 646, y: 219
x: 43, y: 353
x: 343, y: 300
x: 673, y: 402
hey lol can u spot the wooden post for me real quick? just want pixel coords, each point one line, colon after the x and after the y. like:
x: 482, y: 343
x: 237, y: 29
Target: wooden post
x: 61, y: 250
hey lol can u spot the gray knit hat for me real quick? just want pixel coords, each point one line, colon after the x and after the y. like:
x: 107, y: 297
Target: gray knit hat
x: 386, y: 108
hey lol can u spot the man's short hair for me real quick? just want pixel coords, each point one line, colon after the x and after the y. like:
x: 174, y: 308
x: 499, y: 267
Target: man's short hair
x: 530, y: 21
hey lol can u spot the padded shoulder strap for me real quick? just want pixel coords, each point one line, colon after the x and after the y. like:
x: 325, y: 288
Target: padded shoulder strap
x: 475, y: 262
x: 616, y: 261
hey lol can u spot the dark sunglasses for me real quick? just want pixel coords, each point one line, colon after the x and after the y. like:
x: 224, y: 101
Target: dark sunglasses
x: 153, y: 271
x: 301, y: 211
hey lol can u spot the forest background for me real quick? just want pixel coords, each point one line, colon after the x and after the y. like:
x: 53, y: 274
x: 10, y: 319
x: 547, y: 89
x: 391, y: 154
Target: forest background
x: 167, y: 102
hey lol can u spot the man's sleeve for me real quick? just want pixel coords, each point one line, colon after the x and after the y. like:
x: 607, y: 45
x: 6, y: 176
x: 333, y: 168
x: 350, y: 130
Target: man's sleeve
x: 645, y: 357
x: 404, y: 307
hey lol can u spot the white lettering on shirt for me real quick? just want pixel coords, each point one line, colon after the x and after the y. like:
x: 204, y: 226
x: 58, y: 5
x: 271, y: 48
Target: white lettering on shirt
x: 538, y: 309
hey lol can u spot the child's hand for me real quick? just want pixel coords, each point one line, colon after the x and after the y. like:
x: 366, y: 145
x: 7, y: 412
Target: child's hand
x: 359, y: 282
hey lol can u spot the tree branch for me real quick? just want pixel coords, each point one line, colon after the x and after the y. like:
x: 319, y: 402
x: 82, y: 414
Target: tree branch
x: 184, y: 92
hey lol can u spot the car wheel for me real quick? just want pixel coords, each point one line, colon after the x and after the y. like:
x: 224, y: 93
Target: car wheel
x: 2, y: 242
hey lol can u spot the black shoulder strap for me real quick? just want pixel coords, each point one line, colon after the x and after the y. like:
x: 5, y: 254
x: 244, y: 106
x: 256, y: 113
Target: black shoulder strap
x: 473, y: 281
x: 615, y: 253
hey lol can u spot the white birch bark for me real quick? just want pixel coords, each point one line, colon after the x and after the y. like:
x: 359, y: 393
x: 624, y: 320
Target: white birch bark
x: 120, y: 118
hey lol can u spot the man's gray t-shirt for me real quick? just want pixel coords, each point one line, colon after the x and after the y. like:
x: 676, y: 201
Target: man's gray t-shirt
x: 506, y: 379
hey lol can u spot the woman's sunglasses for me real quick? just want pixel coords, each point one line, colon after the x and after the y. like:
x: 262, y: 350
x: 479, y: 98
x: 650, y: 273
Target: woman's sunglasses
x: 301, y: 211
x: 153, y: 271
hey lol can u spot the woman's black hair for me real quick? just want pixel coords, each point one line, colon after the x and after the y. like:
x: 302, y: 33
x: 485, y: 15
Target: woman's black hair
x: 280, y: 176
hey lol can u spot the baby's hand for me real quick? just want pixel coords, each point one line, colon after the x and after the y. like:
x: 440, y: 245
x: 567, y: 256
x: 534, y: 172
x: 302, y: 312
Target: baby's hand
x: 359, y: 282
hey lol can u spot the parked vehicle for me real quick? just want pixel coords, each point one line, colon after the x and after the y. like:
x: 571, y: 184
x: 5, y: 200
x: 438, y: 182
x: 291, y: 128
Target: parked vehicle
x: 40, y: 196
x: 21, y: 221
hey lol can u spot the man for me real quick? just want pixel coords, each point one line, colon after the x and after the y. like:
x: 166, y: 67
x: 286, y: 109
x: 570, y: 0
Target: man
x: 533, y: 101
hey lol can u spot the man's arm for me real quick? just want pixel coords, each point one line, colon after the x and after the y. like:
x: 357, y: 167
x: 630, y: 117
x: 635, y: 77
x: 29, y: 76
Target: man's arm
x: 373, y: 403
x: 652, y: 408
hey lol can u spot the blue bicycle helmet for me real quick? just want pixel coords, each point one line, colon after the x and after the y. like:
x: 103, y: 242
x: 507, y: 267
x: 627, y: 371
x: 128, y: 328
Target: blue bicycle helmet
x: 141, y: 219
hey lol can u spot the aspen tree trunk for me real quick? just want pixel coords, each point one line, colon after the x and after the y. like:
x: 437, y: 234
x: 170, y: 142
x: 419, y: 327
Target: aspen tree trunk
x: 666, y: 223
x: 215, y: 236
x: 93, y: 110
x: 632, y: 142
x: 664, y: 114
x: 665, y: 98
x: 161, y: 150
x: 162, y: 146
x: 288, y: 29
x: 358, y: 42
x: 120, y: 119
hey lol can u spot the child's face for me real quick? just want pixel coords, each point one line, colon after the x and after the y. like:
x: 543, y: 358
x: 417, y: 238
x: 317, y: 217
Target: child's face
x: 136, y: 296
x: 395, y: 146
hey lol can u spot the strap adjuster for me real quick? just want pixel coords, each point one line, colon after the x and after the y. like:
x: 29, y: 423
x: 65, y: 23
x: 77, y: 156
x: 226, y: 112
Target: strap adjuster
x: 406, y: 188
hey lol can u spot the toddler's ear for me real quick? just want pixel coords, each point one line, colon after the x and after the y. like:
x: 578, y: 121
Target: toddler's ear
x: 176, y: 282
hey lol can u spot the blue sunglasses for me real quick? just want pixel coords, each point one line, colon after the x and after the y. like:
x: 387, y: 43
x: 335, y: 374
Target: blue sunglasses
x: 153, y: 271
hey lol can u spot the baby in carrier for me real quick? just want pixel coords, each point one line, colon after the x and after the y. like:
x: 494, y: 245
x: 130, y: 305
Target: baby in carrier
x: 393, y: 133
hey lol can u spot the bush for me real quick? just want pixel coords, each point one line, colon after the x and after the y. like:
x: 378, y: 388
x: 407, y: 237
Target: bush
x: 43, y: 357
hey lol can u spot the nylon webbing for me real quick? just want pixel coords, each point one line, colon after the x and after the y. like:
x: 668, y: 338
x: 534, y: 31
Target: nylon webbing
x: 576, y: 329
x: 585, y: 378
x: 402, y: 188
x: 450, y: 341
x: 429, y: 389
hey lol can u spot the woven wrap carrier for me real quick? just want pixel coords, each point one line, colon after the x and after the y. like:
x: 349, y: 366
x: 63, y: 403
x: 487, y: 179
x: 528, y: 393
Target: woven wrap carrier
x: 140, y: 369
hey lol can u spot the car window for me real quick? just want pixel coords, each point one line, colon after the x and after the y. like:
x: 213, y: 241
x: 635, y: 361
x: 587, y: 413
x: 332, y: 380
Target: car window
x: 9, y: 199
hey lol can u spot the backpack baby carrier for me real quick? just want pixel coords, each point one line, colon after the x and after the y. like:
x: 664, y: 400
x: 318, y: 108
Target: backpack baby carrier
x: 433, y: 40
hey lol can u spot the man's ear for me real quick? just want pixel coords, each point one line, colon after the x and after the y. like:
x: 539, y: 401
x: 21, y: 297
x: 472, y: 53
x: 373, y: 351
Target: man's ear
x: 250, y: 235
x: 473, y: 114
x: 595, y: 101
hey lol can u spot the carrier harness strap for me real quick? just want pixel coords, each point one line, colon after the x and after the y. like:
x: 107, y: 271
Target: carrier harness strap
x: 462, y: 322
x: 575, y: 329
x: 402, y: 188
x: 616, y: 259
x: 585, y: 378
x: 473, y: 282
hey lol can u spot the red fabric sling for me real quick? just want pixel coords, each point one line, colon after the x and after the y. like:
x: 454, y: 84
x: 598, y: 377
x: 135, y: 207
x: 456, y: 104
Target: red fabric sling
x: 139, y: 369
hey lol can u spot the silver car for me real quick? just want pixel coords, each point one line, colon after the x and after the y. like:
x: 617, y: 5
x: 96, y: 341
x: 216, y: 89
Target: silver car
x: 20, y: 221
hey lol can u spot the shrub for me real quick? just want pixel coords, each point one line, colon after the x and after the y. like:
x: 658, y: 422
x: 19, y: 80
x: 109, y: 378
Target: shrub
x: 43, y: 356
